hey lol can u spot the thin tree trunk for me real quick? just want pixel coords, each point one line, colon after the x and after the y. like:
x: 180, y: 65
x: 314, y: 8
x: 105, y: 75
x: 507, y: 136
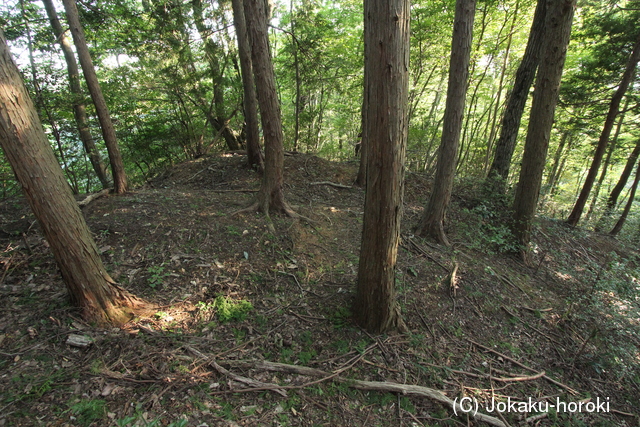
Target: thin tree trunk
x: 108, y: 131
x: 545, y: 97
x: 212, y: 53
x: 503, y: 72
x: 79, y: 109
x: 25, y: 144
x: 255, y: 157
x: 612, y: 200
x: 386, y: 128
x: 614, y: 109
x: 605, y: 167
x: 432, y: 222
x: 632, y: 195
x: 271, y: 195
x: 510, y: 124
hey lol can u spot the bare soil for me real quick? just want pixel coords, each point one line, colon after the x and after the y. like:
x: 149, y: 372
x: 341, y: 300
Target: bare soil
x: 563, y: 330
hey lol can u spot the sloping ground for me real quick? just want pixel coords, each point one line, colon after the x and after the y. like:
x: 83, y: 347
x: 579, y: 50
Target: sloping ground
x: 231, y: 295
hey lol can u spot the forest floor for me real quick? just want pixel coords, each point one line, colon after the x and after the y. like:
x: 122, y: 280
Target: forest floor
x: 232, y: 296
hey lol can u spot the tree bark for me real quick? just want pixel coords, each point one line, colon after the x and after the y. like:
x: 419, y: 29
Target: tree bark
x: 362, y: 149
x: 612, y: 200
x: 510, y: 125
x: 545, y: 97
x: 79, y: 110
x: 607, y: 161
x: 271, y: 195
x: 432, y: 222
x: 386, y: 128
x: 632, y: 195
x: 25, y: 144
x: 255, y: 157
x: 614, y: 109
x: 108, y: 131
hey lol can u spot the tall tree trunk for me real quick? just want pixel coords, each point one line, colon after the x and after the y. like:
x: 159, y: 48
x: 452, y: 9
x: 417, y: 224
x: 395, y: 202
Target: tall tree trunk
x: 255, y: 157
x: 605, y: 167
x: 79, y: 110
x: 41, y: 106
x: 612, y: 200
x: 545, y: 97
x: 25, y: 144
x: 271, y: 195
x: 386, y: 28
x: 361, y: 179
x: 503, y: 72
x: 632, y: 195
x: 432, y: 222
x: 614, y: 108
x: 108, y: 131
x: 510, y: 125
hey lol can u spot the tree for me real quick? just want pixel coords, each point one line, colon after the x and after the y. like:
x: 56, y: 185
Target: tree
x: 108, y: 131
x: 271, y: 195
x: 432, y: 221
x: 545, y: 97
x: 612, y: 200
x: 625, y: 212
x: 254, y: 155
x: 510, y: 125
x: 603, y: 141
x: 387, y: 64
x: 213, y: 53
x: 79, y: 110
x: 27, y: 149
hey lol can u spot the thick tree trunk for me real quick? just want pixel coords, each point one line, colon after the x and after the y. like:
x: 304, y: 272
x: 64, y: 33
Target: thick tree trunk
x: 614, y: 108
x: 25, y: 144
x: 545, y: 97
x: 271, y: 195
x: 510, y: 125
x: 432, y: 222
x: 79, y: 110
x: 108, y: 131
x: 254, y: 155
x: 632, y: 195
x: 385, y: 133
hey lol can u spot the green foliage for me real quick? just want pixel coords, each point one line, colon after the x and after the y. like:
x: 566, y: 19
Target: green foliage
x: 226, y: 308
x: 87, y: 412
x: 487, y: 230
x: 157, y: 275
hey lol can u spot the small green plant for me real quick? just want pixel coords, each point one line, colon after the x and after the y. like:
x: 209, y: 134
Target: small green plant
x: 340, y: 317
x: 306, y: 356
x: 233, y: 230
x: 156, y: 275
x: 229, y: 309
x: 87, y: 412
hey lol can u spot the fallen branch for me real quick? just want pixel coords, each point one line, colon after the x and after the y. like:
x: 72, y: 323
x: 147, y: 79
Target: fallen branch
x: 91, y: 197
x: 249, y: 381
x: 332, y: 184
x: 522, y: 365
x: 404, y: 389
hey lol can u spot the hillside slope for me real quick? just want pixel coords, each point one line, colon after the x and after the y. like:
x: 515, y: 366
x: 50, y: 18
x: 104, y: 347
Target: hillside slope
x: 228, y: 291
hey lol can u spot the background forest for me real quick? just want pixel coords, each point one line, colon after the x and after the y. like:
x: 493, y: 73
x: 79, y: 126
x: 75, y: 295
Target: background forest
x: 170, y: 73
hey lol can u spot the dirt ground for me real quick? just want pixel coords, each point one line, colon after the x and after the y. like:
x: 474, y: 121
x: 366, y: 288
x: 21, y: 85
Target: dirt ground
x: 232, y: 297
